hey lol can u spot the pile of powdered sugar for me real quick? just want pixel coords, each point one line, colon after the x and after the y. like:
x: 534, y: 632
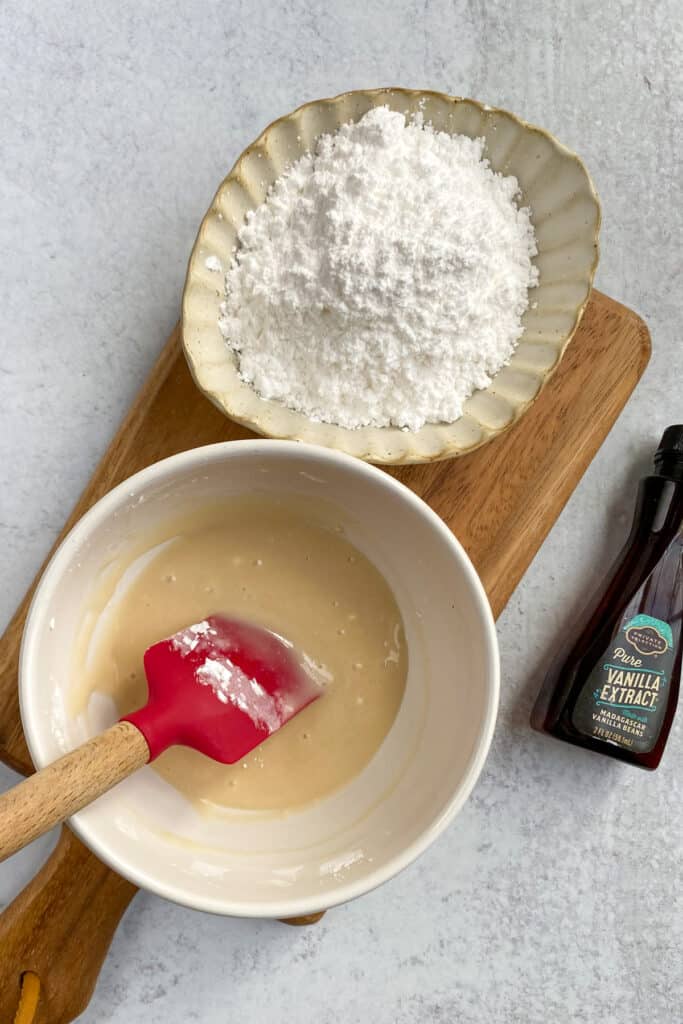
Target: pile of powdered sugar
x: 383, y: 279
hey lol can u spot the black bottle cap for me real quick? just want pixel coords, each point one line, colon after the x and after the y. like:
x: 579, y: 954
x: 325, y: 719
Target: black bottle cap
x: 671, y: 443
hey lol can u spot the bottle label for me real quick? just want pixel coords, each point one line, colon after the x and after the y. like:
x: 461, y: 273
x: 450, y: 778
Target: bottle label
x: 624, y: 699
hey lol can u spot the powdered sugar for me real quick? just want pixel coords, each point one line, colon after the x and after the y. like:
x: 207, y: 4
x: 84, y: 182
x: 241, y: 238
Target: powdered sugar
x: 384, y: 278
x: 233, y: 686
x: 211, y: 640
x: 187, y: 640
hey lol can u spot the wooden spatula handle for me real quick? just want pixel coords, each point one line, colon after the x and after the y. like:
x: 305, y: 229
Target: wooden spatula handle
x: 65, y: 786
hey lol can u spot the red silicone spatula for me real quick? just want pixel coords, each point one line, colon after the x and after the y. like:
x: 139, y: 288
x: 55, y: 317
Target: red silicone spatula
x: 220, y: 686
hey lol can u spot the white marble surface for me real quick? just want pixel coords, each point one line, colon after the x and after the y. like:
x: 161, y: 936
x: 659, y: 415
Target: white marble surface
x: 556, y: 894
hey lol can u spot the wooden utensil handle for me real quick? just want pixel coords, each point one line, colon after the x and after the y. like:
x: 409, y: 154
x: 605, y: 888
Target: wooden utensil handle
x: 68, y: 784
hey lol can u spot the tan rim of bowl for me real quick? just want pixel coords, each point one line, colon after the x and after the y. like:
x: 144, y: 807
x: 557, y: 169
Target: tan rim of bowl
x: 565, y: 212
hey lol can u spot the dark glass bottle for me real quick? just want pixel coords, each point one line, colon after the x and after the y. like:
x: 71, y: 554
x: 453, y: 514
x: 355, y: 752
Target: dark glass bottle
x: 616, y: 691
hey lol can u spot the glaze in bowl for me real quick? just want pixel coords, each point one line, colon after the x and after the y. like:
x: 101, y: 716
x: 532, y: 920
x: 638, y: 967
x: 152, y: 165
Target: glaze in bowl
x: 261, y: 864
x: 565, y: 213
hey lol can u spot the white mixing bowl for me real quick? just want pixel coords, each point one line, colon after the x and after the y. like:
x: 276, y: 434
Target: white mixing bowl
x: 332, y: 851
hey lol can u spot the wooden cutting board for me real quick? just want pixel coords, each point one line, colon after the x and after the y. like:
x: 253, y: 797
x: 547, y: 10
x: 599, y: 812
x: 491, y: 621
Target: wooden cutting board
x: 500, y: 501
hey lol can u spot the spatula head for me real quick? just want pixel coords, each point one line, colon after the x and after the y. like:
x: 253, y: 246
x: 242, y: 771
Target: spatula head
x: 221, y: 686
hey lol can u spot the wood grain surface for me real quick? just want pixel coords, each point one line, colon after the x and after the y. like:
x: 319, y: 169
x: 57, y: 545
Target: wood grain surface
x: 60, y: 927
x: 500, y: 501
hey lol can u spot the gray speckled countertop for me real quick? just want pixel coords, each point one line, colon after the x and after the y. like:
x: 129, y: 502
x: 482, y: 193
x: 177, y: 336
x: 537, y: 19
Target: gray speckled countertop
x: 556, y: 894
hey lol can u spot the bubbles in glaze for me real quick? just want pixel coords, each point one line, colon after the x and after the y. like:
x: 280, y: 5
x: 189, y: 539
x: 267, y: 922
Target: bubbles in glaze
x: 289, y: 568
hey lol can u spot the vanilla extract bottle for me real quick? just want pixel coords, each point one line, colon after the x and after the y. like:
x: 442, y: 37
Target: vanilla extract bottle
x: 616, y: 691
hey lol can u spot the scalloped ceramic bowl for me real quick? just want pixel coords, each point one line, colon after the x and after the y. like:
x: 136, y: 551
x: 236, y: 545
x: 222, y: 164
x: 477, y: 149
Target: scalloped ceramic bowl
x: 566, y: 216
